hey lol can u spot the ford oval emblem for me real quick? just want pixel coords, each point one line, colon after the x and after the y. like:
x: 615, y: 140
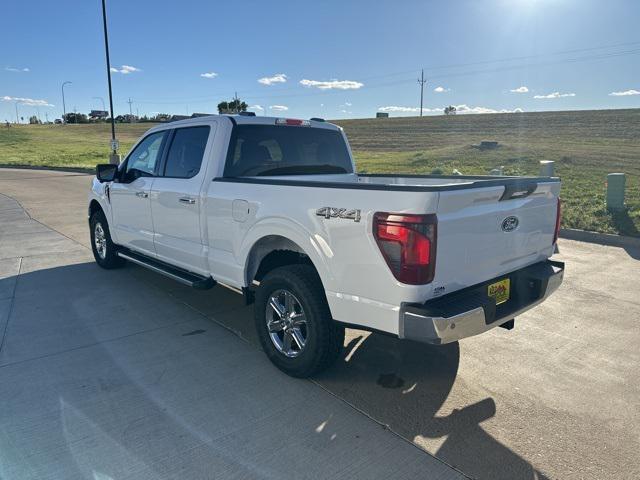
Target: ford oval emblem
x: 509, y: 224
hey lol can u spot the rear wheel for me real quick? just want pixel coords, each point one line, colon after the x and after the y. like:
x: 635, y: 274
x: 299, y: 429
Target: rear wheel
x: 293, y: 321
x: 104, y: 250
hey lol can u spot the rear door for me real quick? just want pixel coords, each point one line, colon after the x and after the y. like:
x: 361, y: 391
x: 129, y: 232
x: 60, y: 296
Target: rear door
x: 486, y: 232
x: 129, y: 196
x: 176, y: 199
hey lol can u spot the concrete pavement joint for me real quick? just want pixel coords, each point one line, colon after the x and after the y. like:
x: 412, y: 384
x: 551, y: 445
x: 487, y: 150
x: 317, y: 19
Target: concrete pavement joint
x: 10, y: 310
x: 386, y: 427
x: 44, y: 225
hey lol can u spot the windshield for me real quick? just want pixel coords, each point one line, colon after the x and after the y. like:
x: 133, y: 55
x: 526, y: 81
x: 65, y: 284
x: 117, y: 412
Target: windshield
x: 283, y: 150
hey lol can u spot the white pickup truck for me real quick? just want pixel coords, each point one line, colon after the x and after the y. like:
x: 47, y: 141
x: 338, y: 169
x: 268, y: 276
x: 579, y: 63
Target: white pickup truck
x: 273, y: 209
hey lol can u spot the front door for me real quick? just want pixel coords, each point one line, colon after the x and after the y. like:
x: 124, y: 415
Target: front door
x: 130, y: 203
x: 176, y: 200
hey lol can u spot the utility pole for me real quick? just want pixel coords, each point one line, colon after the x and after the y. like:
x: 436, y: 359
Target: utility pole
x: 130, y: 102
x: 421, y: 82
x: 114, y: 158
x: 17, y: 118
x: 64, y: 109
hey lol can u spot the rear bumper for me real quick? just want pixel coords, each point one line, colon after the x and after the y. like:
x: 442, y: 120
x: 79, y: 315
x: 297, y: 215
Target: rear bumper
x: 470, y: 311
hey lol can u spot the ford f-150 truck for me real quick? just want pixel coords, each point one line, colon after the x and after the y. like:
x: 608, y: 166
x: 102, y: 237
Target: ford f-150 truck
x: 274, y: 209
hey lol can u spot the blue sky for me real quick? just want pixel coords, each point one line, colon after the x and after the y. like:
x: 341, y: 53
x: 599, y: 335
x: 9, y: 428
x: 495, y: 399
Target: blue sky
x: 335, y: 59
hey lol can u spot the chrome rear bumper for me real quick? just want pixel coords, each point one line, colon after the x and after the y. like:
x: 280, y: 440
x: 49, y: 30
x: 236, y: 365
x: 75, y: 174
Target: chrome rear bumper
x: 471, y: 311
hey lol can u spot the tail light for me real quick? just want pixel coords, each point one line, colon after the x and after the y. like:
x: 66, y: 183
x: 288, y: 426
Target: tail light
x: 408, y: 245
x: 293, y: 122
x: 558, y: 221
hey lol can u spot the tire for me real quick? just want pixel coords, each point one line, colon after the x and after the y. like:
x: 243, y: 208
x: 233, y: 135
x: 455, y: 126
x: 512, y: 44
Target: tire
x: 323, y: 337
x: 104, y: 250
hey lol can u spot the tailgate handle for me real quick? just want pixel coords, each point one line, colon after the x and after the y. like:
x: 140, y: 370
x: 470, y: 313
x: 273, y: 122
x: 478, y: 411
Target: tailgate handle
x: 518, y: 191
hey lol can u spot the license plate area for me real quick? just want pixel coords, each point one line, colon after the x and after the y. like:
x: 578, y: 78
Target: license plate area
x: 500, y: 290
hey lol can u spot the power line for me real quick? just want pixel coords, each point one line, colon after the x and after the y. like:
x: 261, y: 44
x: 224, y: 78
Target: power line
x: 599, y: 56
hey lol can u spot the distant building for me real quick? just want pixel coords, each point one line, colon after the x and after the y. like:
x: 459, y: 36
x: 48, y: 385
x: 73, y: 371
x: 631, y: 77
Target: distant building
x: 382, y: 115
x: 98, y: 114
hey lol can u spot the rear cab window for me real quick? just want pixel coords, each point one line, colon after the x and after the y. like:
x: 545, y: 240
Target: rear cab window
x: 260, y: 150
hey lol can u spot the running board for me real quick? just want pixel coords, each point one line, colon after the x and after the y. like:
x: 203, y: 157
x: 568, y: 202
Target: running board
x: 178, y: 274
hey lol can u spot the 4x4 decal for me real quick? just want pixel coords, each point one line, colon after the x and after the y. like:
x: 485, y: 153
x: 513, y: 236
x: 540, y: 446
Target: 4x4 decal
x: 331, y: 212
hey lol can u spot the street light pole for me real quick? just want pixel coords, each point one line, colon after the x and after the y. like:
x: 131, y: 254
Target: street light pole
x: 114, y: 158
x: 64, y: 108
x: 102, y: 100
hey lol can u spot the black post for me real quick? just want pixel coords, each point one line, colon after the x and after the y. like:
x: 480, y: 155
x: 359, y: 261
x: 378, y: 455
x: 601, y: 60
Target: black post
x: 106, y: 49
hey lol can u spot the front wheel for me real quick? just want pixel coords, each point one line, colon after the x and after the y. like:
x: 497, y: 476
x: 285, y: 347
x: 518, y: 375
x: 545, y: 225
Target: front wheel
x: 293, y: 321
x: 104, y: 250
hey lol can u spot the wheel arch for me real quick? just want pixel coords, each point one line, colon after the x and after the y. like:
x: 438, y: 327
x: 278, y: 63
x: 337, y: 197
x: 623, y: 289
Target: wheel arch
x: 273, y: 251
x: 94, y: 206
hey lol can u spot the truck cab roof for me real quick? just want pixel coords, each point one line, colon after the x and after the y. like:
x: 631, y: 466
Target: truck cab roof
x: 237, y: 119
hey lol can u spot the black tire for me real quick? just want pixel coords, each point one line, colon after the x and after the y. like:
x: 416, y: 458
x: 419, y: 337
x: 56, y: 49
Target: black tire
x: 324, y: 337
x: 109, y: 259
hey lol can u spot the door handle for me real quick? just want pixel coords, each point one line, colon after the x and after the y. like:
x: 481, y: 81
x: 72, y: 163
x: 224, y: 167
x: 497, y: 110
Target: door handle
x: 187, y: 200
x: 142, y: 194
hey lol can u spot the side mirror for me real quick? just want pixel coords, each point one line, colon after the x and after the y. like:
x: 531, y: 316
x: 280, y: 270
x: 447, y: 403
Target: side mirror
x: 106, y: 172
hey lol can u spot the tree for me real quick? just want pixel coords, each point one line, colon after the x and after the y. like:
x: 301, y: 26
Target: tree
x: 160, y: 117
x: 73, y: 117
x: 450, y: 110
x: 234, y: 106
x: 33, y: 120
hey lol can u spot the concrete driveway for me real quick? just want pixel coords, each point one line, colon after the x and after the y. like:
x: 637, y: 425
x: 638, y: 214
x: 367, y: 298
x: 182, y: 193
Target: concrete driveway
x: 125, y: 373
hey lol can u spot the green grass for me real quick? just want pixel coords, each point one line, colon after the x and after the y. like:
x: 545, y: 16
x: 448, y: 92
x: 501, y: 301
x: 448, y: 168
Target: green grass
x: 66, y: 146
x: 585, y: 145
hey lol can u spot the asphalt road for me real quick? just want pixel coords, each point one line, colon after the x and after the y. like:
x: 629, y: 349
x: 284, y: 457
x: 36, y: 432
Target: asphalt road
x: 557, y: 397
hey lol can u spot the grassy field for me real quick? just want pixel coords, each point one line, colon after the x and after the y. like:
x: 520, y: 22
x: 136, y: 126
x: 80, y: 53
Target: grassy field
x: 585, y: 145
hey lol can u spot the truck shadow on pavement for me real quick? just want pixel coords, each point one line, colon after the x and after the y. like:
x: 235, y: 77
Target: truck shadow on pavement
x: 401, y: 384
x: 407, y: 386
x: 103, y: 375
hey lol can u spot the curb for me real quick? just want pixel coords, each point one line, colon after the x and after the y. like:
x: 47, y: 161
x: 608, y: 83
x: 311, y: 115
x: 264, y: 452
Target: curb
x: 600, y: 238
x: 16, y: 166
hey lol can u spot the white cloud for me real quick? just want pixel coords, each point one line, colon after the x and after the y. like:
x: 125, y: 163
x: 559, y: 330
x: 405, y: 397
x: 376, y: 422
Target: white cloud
x: 522, y: 89
x: 14, y: 69
x: 397, y: 109
x: 27, y: 101
x: 441, y: 90
x: 277, y: 78
x: 256, y: 107
x: 465, y: 109
x: 554, y: 95
x: 461, y: 109
x: 348, y: 104
x: 125, y: 69
x: 209, y: 75
x: 337, y: 84
x: 279, y: 108
x: 626, y: 93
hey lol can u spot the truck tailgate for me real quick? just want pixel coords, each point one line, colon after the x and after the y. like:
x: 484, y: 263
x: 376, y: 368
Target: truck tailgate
x: 486, y: 232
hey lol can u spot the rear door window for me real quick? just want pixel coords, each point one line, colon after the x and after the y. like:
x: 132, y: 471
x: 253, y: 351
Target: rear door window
x: 184, y: 158
x: 285, y: 150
